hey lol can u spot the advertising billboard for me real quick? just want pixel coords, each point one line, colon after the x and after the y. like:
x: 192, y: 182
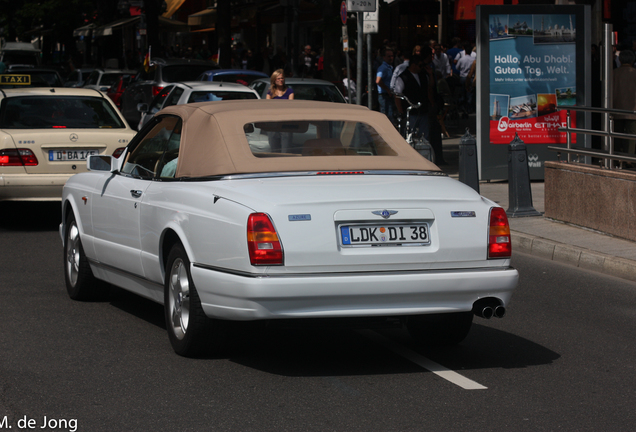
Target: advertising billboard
x: 531, y: 61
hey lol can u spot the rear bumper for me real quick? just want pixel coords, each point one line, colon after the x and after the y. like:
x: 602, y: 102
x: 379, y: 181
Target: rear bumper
x: 238, y: 297
x: 32, y: 187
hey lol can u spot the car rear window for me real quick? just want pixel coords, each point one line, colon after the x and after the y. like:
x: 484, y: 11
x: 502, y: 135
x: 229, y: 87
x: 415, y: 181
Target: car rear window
x: 183, y: 72
x: 315, y: 138
x: 109, y: 79
x: 219, y: 95
x: 239, y: 78
x: 317, y: 93
x: 58, y: 112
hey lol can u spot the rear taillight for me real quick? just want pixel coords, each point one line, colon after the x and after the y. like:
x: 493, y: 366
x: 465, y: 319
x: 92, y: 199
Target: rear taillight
x: 262, y: 241
x: 156, y: 90
x: 118, y: 151
x: 17, y: 157
x: 499, y: 245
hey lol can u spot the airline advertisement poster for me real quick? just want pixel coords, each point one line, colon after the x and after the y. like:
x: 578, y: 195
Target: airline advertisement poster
x: 533, y: 66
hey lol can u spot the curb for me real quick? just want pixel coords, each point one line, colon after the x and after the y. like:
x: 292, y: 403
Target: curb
x: 575, y: 256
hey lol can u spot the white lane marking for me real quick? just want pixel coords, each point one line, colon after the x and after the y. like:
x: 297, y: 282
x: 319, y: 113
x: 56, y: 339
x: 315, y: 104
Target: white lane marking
x: 437, y: 369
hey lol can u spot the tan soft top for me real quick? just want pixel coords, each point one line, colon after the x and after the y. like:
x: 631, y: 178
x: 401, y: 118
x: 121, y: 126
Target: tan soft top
x: 213, y: 140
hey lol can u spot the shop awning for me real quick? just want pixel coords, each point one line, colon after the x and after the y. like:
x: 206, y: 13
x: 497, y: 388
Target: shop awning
x: 165, y: 23
x: 173, y: 25
x: 205, y: 18
x: 107, y: 30
x: 467, y: 9
x: 84, y: 30
x: 173, y: 6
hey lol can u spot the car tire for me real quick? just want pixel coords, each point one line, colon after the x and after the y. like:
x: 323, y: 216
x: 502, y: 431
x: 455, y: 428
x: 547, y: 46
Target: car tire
x: 81, y: 284
x: 440, y: 329
x: 190, y: 331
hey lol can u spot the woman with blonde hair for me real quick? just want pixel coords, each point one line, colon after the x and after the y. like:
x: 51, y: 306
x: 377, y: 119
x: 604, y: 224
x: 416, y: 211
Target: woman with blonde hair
x: 277, y: 88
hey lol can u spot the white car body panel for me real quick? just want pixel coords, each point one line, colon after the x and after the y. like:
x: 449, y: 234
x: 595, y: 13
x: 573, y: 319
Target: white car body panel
x: 450, y: 274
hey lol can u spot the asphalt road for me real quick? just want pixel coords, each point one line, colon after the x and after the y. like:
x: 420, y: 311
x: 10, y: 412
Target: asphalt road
x: 562, y: 359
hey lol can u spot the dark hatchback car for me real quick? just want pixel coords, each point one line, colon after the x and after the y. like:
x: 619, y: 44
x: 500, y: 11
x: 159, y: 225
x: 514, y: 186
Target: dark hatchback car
x: 148, y: 83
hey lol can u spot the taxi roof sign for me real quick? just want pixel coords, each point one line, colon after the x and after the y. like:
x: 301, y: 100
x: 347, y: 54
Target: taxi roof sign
x: 15, y: 79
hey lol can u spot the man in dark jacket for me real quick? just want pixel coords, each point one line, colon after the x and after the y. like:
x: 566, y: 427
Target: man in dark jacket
x: 416, y: 85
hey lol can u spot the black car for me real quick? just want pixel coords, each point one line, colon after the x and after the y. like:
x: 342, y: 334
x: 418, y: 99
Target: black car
x: 148, y: 83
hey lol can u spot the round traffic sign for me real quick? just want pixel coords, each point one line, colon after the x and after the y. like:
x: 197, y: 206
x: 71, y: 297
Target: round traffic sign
x: 343, y: 12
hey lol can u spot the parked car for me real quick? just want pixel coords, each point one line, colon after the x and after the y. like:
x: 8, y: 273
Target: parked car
x: 191, y: 92
x: 21, y: 76
x: 102, y: 79
x: 148, y: 83
x: 78, y: 77
x: 207, y: 213
x: 46, y: 137
x: 117, y: 89
x: 304, y: 89
x: 240, y: 76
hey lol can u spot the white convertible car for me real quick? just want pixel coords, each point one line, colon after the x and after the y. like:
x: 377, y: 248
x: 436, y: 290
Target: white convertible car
x: 285, y: 210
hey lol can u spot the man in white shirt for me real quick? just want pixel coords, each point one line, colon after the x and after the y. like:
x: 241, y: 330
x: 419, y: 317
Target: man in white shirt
x: 440, y: 61
x: 464, y: 63
x: 463, y: 67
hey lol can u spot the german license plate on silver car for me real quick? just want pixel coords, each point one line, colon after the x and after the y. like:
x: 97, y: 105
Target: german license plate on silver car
x: 410, y: 234
x: 71, y: 155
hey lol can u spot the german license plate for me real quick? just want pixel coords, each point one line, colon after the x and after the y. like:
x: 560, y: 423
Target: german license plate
x: 411, y: 234
x: 71, y: 155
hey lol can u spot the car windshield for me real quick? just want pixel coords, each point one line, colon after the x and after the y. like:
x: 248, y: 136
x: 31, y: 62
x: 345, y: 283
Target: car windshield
x: 219, y: 95
x: 315, y: 138
x: 20, y: 58
x: 185, y: 72
x: 57, y: 112
x: 317, y: 92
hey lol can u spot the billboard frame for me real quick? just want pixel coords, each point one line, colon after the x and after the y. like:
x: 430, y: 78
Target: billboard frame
x: 493, y: 158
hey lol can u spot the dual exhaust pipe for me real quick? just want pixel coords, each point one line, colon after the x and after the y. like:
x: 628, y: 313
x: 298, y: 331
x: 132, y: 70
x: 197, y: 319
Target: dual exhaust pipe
x: 489, y: 307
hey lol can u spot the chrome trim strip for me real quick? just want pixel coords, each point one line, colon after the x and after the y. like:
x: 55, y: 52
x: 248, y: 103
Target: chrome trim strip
x: 361, y: 273
x: 314, y: 173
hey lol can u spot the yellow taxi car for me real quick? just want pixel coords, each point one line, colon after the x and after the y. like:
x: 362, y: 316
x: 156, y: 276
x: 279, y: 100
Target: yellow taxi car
x: 46, y: 135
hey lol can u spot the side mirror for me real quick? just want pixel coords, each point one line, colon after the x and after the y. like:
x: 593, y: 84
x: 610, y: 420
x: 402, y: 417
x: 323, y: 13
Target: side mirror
x: 102, y: 163
x: 142, y: 107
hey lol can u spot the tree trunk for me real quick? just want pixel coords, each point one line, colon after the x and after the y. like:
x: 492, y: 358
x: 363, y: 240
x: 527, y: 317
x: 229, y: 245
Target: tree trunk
x: 152, y: 26
x: 332, y: 42
x: 224, y: 33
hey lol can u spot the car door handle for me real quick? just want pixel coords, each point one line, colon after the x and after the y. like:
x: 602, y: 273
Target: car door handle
x: 135, y: 193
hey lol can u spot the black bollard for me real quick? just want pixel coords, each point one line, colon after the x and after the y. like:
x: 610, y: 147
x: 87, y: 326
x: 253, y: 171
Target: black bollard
x: 519, y: 192
x: 468, y: 171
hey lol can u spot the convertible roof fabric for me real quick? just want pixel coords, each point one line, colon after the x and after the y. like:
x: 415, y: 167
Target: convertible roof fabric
x: 213, y: 140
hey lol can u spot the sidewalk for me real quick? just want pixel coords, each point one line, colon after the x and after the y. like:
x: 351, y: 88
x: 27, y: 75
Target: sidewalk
x: 543, y: 237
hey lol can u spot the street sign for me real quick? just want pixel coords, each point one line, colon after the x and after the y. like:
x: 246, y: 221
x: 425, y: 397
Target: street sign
x: 343, y: 12
x: 362, y: 5
x: 370, y: 23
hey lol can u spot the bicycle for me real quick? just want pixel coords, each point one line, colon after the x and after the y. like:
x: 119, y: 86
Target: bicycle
x: 412, y: 137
